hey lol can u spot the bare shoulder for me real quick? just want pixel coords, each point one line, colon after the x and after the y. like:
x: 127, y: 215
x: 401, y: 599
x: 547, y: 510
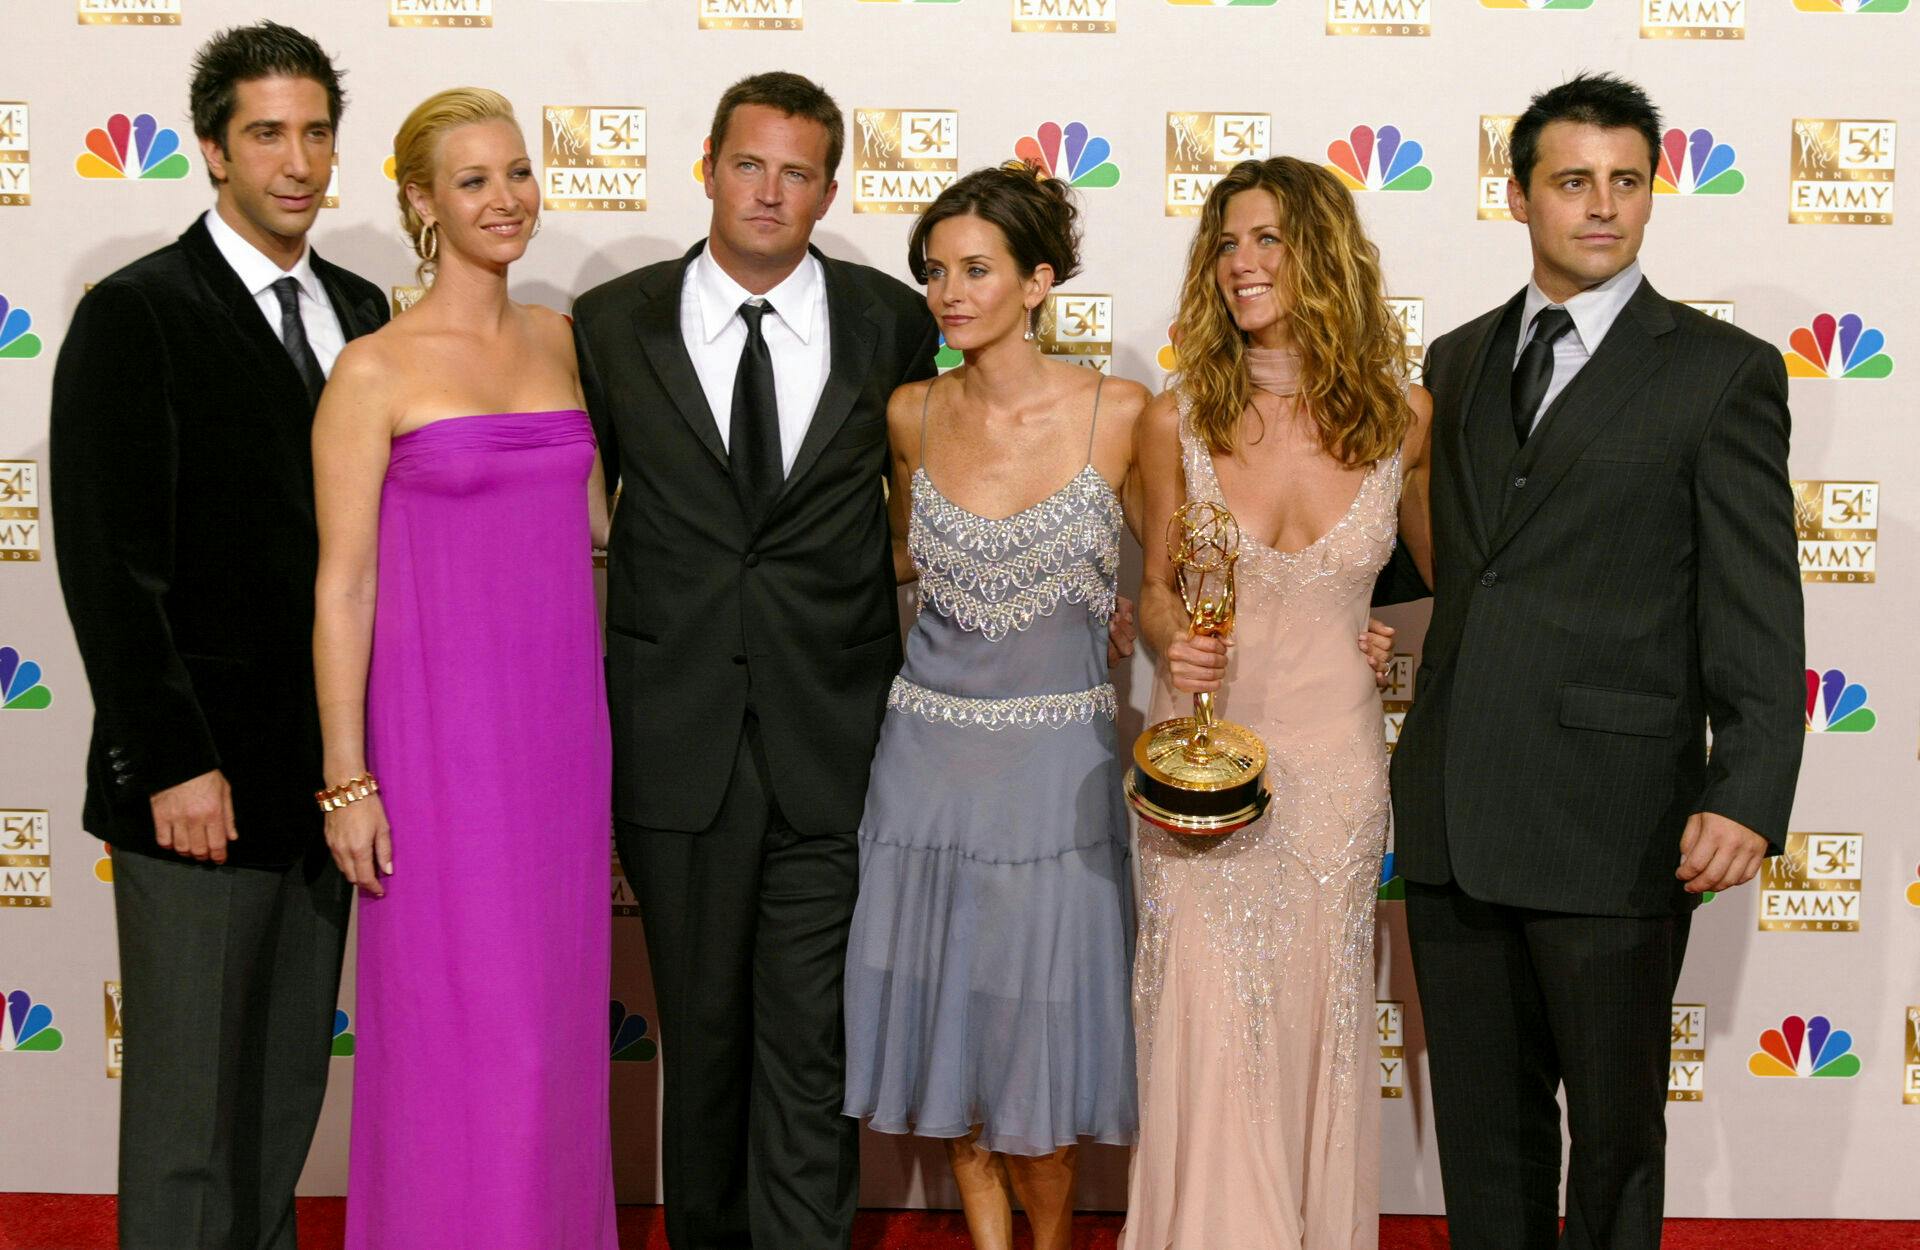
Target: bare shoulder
x: 1122, y: 401
x: 1420, y: 399
x: 1159, y: 421
x: 904, y: 407
x: 366, y: 364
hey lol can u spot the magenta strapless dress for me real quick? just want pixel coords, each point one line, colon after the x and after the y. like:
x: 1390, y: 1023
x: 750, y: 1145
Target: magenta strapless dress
x: 480, y: 1076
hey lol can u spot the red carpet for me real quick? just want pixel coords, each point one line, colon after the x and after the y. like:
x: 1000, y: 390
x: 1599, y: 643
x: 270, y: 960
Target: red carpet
x: 85, y: 1222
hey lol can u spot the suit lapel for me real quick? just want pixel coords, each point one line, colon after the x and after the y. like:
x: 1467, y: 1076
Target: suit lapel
x: 355, y: 319
x: 1458, y: 414
x: 1635, y: 347
x: 852, y: 340
x: 657, y: 322
x: 248, y: 323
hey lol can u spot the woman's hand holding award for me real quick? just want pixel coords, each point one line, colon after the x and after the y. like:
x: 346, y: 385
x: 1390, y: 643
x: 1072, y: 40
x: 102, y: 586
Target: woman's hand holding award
x: 1199, y: 774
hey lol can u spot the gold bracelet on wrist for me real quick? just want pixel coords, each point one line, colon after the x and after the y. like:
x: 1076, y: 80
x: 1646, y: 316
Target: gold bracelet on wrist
x: 352, y: 790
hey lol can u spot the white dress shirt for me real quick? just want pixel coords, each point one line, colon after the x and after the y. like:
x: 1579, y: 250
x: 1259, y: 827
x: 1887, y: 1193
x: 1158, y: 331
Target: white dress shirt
x: 258, y: 274
x: 1594, y: 311
x: 796, y: 335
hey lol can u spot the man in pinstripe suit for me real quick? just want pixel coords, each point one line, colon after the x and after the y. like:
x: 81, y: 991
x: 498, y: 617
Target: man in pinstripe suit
x: 1615, y: 569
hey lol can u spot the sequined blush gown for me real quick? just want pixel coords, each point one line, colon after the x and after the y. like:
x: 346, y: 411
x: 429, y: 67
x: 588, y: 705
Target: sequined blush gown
x: 987, y: 968
x: 1254, y: 980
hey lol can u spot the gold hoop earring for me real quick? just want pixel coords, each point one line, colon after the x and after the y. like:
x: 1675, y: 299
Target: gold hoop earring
x: 427, y: 242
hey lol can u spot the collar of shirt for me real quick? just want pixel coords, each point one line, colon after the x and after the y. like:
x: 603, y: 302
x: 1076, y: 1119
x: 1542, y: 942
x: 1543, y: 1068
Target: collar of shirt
x: 257, y: 273
x: 720, y: 296
x: 1593, y: 310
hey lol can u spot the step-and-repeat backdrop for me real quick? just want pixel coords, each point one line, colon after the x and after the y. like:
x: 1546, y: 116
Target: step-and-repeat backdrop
x: 1795, y: 1079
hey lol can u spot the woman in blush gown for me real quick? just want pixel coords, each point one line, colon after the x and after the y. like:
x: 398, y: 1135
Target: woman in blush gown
x: 1254, y: 979
x: 458, y: 659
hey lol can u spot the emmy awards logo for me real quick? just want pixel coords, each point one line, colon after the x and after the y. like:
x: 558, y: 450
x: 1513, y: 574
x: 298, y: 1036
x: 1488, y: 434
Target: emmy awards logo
x: 1200, y: 774
x: 115, y: 1034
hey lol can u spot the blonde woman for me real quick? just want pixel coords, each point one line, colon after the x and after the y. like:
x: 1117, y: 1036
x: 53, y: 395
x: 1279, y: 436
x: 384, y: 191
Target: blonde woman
x: 1253, y: 985
x: 457, y: 657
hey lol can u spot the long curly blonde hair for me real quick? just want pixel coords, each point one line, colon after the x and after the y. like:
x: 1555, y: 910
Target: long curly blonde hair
x: 1353, y: 360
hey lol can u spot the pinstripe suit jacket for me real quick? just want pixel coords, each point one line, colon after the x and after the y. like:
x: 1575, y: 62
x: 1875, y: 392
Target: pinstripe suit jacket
x: 1640, y: 580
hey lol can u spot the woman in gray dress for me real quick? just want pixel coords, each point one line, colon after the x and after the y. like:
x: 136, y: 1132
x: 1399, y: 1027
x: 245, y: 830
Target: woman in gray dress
x: 988, y: 972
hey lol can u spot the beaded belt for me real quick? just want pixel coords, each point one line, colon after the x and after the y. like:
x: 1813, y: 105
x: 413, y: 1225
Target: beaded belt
x: 1026, y: 712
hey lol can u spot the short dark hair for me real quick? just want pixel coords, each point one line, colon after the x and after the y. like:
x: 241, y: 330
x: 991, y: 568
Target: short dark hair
x: 791, y: 94
x: 246, y: 53
x: 1035, y: 213
x: 1604, y: 100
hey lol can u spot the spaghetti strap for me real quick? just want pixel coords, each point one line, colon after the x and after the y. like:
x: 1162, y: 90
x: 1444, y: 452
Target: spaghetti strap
x: 1091, y: 425
x: 926, y: 401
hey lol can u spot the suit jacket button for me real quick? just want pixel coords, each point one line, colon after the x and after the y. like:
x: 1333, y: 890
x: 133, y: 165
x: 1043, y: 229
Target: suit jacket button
x: 739, y: 659
x: 753, y: 559
x: 1489, y: 577
x: 1519, y: 482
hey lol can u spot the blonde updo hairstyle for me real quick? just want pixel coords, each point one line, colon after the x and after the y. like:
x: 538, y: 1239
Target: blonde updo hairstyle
x: 418, y: 143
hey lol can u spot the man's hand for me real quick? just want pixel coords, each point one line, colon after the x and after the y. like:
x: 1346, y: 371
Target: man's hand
x: 1717, y: 853
x: 195, y: 818
x: 1121, y: 631
x: 1377, y: 645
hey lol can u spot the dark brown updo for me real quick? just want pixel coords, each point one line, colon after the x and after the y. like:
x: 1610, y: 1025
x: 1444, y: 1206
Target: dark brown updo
x: 1034, y: 213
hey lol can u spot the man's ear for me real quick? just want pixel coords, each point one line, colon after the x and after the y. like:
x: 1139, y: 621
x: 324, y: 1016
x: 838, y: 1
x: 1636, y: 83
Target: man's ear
x: 1516, y: 200
x: 214, y: 153
x: 826, y: 201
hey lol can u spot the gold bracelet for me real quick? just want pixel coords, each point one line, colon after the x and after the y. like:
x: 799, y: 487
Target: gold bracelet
x: 352, y: 790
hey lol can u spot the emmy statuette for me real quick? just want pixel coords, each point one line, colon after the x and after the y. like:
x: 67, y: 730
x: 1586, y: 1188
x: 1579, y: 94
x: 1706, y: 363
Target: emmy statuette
x: 1199, y: 774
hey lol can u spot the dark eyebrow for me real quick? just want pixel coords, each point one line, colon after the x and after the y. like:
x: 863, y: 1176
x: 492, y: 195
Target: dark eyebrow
x: 275, y: 123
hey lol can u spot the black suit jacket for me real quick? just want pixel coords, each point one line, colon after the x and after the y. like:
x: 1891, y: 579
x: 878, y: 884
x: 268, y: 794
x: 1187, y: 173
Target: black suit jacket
x: 1642, y: 581
x: 708, y: 616
x: 182, y: 490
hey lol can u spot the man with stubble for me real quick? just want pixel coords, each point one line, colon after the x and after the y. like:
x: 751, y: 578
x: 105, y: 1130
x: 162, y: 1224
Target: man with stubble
x: 739, y: 394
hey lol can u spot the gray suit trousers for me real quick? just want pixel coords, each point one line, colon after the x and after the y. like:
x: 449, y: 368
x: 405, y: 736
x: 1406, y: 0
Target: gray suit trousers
x: 228, y: 983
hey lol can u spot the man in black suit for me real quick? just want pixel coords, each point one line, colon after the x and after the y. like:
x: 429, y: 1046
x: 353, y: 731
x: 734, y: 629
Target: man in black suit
x: 739, y: 395
x: 1615, y: 569
x: 184, y: 525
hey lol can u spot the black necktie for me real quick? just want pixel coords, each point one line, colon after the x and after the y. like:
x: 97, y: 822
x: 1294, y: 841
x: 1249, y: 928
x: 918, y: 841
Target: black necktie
x: 293, y: 336
x: 1534, y: 373
x: 753, y: 440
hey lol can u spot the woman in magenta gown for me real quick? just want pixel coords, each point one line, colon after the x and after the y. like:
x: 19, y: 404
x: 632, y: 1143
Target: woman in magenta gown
x: 458, y: 661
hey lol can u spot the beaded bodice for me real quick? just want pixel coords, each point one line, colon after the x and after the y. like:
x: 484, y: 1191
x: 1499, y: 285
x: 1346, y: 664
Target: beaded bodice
x: 1012, y: 611
x: 995, y: 577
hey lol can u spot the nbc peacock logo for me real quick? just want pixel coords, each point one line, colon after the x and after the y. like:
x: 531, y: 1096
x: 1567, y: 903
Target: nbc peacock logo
x: 1392, y: 889
x: 1071, y: 153
x: 28, y: 1025
x: 1379, y: 160
x: 132, y: 148
x: 1851, y: 6
x: 1913, y: 890
x: 20, y: 687
x: 17, y: 340
x: 628, y: 1032
x: 947, y: 357
x: 345, y: 1041
x: 1836, y: 705
x: 1802, y: 1047
x: 1838, y: 347
x: 1694, y: 164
